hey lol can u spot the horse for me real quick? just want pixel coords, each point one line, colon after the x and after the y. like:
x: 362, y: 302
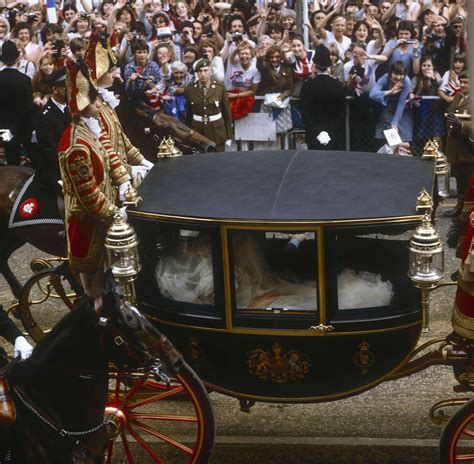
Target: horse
x: 61, y: 391
x: 158, y: 125
x: 50, y: 238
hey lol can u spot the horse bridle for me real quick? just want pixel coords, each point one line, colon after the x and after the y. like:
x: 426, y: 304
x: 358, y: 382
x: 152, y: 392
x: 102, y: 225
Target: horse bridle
x: 130, y: 348
x: 29, y: 403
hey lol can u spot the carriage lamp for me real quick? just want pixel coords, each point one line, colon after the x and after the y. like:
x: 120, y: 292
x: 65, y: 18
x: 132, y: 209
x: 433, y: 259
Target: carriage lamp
x: 121, y: 246
x: 167, y: 149
x: 442, y: 175
x: 426, y: 263
x: 424, y: 203
x: 430, y: 150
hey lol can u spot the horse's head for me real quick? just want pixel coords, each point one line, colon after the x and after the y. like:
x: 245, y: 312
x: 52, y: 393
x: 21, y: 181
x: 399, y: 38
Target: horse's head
x: 130, y: 340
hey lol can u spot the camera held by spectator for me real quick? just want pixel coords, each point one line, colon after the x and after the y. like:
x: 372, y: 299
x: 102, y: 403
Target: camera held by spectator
x: 237, y: 37
x: 31, y: 18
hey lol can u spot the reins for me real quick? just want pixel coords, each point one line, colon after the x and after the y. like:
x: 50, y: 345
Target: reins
x: 28, y: 403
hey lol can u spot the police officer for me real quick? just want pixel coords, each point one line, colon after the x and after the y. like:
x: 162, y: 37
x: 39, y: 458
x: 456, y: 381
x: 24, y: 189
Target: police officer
x: 207, y: 106
x: 323, y: 101
x: 50, y: 126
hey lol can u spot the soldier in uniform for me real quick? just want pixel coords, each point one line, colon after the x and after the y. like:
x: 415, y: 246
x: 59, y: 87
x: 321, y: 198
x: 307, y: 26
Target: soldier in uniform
x: 458, y: 145
x: 207, y: 106
x: 50, y: 126
x: 101, y: 62
x: 89, y: 170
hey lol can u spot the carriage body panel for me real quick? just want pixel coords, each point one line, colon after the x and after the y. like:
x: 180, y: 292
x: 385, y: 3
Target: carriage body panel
x: 260, y: 315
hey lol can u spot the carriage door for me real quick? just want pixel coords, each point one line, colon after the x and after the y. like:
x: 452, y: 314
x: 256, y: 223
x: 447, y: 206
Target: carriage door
x: 274, y: 278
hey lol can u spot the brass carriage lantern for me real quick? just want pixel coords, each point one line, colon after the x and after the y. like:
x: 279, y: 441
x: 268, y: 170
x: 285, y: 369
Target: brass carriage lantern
x: 430, y: 150
x: 426, y: 267
x: 121, y: 244
x: 442, y: 175
x: 424, y: 203
x: 167, y: 149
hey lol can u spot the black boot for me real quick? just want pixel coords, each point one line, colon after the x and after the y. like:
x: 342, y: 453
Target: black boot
x: 456, y: 211
x: 453, y: 235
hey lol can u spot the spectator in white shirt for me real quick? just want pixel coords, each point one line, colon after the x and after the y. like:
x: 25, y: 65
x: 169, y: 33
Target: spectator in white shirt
x: 336, y: 34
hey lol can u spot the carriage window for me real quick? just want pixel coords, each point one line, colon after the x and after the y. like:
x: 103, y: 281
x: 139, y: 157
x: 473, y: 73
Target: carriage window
x: 371, y: 270
x: 184, y: 271
x: 274, y: 270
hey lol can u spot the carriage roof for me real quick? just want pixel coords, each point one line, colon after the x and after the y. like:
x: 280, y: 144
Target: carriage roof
x: 287, y: 186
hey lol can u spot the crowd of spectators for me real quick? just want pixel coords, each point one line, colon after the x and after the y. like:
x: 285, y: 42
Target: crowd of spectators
x: 387, y: 54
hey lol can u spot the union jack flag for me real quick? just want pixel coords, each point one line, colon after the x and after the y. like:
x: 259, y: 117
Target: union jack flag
x: 452, y: 89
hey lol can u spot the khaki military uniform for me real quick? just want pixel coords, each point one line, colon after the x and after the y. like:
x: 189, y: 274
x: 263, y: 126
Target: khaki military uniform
x: 128, y: 153
x: 89, y: 167
x: 209, y: 114
x: 459, y: 149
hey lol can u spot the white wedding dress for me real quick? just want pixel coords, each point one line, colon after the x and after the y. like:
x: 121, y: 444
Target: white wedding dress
x: 187, y: 276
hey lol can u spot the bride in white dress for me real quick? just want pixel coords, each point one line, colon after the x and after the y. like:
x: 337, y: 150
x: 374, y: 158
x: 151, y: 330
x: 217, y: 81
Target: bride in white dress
x: 187, y: 276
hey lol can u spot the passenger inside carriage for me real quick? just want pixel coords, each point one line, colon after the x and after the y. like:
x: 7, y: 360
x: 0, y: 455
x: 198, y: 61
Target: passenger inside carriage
x: 268, y: 270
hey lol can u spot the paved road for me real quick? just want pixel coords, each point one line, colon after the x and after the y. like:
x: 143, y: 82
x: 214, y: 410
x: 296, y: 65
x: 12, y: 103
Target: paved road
x: 388, y: 424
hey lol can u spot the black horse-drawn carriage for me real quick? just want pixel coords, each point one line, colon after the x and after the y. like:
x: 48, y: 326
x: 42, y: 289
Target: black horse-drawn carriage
x: 282, y: 276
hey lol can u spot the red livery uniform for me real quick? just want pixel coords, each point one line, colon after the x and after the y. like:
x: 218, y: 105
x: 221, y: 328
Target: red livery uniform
x: 463, y: 311
x: 89, y: 167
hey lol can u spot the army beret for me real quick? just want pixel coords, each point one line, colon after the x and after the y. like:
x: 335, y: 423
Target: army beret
x: 201, y: 63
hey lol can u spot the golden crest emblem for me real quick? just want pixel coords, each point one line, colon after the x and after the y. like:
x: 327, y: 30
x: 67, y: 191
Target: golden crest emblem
x: 364, y: 358
x: 194, y: 350
x: 278, y: 366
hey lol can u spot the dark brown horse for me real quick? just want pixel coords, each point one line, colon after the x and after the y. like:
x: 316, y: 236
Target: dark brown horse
x: 47, y: 237
x: 187, y: 139
x: 151, y: 125
x: 60, y: 393
x: 50, y: 238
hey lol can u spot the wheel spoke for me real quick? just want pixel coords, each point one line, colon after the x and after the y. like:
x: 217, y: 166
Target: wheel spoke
x: 126, y: 447
x: 163, y: 417
x: 158, y: 397
x: 110, y: 450
x: 117, y: 386
x: 165, y: 438
x: 144, y: 445
x: 467, y: 457
x: 138, y: 384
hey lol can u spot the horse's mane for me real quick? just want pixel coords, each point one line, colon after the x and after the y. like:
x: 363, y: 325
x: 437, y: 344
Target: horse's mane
x: 81, y: 317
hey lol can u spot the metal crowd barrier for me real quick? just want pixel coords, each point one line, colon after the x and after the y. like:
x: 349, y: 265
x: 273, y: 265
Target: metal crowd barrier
x: 289, y: 138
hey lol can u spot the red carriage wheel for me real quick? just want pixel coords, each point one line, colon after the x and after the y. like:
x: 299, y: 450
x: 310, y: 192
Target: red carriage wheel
x: 457, y: 442
x: 171, y: 422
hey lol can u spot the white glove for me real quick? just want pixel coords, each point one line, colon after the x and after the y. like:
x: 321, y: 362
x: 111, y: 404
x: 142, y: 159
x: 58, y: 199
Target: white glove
x: 22, y: 348
x: 6, y: 135
x: 323, y: 138
x: 146, y: 164
x: 228, y: 143
x: 123, y: 212
x: 123, y: 188
x: 141, y: 171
